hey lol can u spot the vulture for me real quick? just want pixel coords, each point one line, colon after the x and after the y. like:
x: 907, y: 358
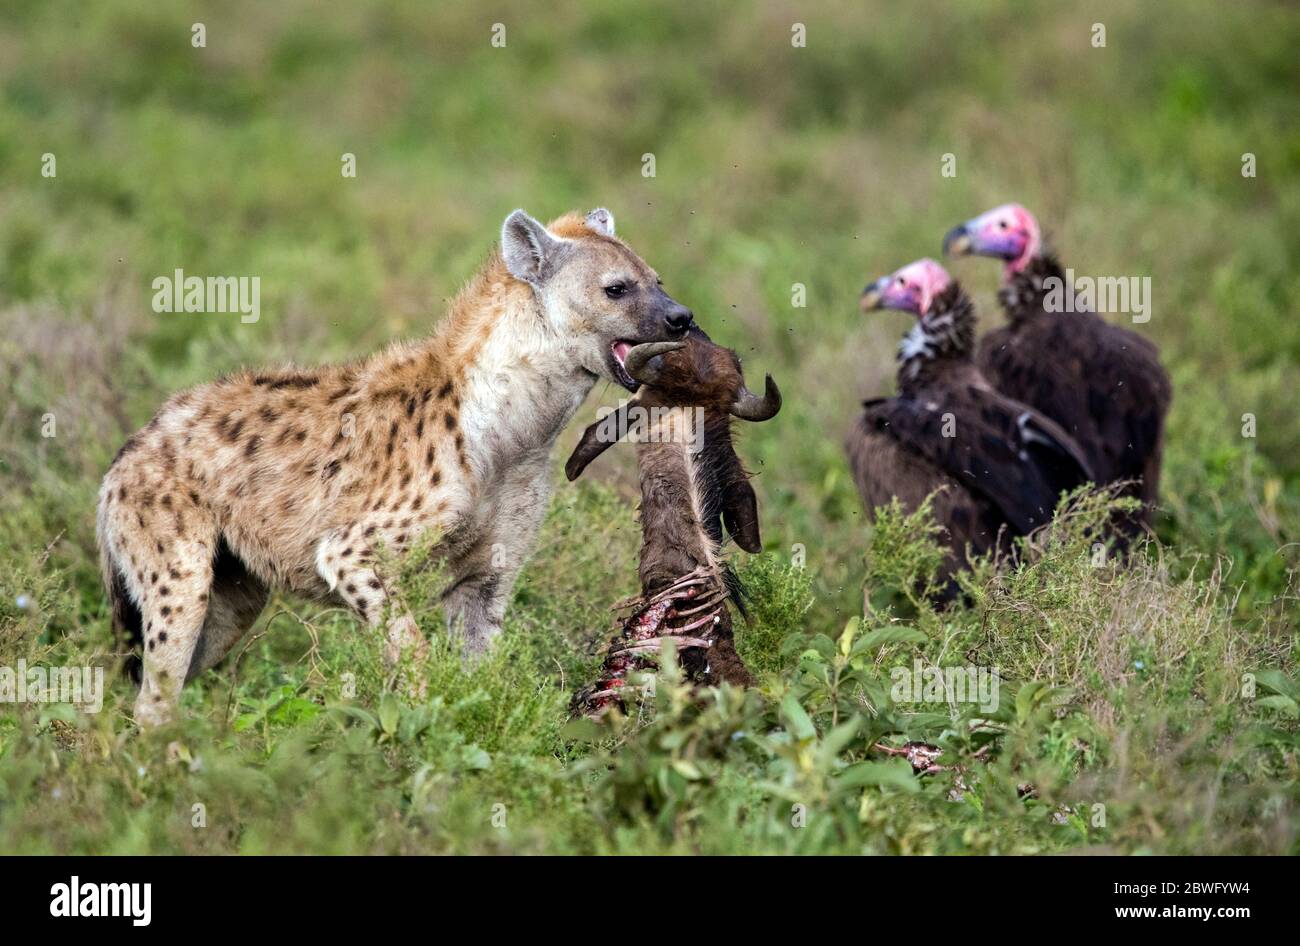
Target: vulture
x: 1102, y: 383
x: 999, y: 465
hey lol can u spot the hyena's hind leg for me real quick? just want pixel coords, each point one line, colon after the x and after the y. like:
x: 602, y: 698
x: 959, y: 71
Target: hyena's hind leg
x: 236, y: 599
x: 174, y: 610
x: 159, y: 554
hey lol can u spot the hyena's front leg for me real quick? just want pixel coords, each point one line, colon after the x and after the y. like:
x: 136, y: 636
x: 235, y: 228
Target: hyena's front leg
x: 348, y: 567
x: 484, y: 577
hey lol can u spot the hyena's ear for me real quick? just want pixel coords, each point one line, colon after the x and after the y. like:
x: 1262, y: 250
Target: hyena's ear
x: 528, y: 248
x: 602, y: 221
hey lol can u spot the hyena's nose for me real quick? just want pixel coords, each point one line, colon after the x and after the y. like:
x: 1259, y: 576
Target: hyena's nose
x: 678, y: 318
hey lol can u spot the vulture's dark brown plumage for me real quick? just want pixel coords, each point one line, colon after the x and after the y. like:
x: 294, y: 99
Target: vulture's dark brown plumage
x: 1104, y: 384
x: 999, y: 465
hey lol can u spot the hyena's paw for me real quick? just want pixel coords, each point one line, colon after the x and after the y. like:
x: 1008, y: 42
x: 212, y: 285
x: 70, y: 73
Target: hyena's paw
x: 405, y: 639
x: 408, y: 649
x: 150, y: 713
x: 414, y: 683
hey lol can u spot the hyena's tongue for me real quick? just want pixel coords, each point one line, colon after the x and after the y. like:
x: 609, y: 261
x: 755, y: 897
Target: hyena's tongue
x: 620, y: 351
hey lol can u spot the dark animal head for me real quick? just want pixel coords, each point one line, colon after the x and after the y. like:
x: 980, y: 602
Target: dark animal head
x: 694, y: 373
x: 1008, y: 233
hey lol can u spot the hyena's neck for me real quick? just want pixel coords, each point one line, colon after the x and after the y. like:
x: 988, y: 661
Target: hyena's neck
x: 516, y: 384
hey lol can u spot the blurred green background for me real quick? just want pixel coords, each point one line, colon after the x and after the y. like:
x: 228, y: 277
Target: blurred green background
x: 775, y: 166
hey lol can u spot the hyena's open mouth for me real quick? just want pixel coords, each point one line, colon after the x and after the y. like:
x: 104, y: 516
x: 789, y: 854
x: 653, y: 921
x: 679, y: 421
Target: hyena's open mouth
x: 618, y: 351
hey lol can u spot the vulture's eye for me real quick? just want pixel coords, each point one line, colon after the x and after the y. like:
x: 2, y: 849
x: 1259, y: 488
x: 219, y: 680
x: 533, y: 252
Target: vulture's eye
x: 616, y: 290
x: 1002, y: 225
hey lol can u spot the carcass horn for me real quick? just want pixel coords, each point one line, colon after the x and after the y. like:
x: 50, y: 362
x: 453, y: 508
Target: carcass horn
x: 749, y: 406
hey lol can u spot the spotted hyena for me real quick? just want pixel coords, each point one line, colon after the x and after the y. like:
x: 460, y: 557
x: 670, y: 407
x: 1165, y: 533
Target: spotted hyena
x: 291, y: 478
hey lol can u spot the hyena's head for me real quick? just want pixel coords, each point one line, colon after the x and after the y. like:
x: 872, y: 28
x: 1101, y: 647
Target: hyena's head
x: 593, y: 289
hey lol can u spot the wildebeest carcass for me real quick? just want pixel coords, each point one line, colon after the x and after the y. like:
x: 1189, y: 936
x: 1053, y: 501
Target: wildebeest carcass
x: 692, y: 485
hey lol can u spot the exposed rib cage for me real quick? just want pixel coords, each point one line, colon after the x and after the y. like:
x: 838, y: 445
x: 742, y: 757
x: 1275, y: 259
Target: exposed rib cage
x: 687, y: 612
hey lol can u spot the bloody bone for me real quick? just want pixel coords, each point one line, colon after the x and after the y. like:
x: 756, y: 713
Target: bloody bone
x: 692, y: 485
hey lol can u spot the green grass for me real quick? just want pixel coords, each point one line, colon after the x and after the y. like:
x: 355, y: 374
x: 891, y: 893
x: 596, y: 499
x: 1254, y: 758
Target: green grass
x: 1163, y: 690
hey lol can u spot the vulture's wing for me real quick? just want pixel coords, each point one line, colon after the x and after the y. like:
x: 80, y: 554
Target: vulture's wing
x: 1058, y: 457
x: 1005, y: 451
x: 1101, y: 382
x: 1132, y: 394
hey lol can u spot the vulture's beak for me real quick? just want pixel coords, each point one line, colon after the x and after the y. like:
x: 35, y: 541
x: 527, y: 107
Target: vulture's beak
x: 874, y: 295
x: 957, y: 242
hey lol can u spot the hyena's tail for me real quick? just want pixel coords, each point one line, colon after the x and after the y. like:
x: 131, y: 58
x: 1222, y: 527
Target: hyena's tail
x: 128, y: 622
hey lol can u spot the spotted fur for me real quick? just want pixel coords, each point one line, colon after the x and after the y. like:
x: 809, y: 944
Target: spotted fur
x: 294, y: 479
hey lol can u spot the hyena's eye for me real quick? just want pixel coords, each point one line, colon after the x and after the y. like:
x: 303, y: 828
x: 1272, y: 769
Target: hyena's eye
x: 616, y: 290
